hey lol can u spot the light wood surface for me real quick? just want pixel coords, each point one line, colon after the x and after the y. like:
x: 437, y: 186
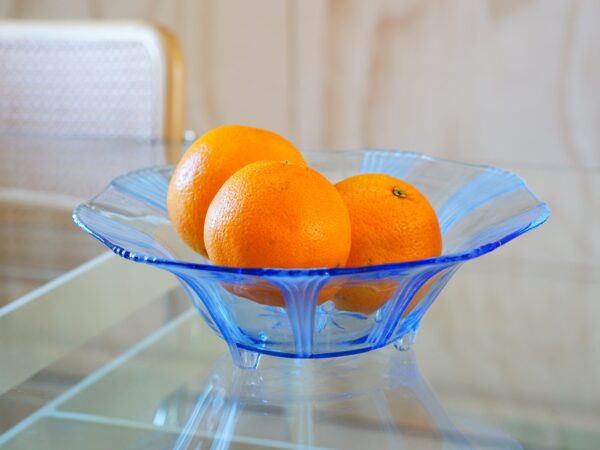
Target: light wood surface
x: 497, y: 80
x: 174, y: 118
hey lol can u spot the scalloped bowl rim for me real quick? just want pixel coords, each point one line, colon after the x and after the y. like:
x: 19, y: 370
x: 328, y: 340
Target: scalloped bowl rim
x: 324, y: 271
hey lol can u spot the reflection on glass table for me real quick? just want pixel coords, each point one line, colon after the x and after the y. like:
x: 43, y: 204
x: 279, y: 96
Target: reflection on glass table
x: 378, y: 400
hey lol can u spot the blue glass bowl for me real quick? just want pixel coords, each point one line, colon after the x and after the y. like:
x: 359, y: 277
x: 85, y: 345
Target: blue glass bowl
x: 479, y: 209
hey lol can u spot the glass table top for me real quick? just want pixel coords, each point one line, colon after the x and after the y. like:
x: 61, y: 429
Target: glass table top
x: 112, y: 356
x: 41, y: 181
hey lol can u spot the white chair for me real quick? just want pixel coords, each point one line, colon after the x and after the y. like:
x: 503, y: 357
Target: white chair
x: 68, y: 90
x: 91, y: 79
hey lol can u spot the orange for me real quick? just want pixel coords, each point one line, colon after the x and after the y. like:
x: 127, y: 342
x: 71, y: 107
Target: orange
x: 208, y: 163
x: 265, y: 293
x: 365, y: 297
x: 278, y: 215
x: 392, y: 222
x: 368, y: 297
x: 275, y: 214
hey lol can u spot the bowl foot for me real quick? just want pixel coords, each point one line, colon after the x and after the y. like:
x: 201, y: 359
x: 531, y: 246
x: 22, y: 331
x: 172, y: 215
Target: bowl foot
x: 406, y: 341
x: 245, y: 359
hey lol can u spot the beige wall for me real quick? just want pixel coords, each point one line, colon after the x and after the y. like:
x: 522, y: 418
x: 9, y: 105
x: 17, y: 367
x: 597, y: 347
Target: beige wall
x: 495, y: 80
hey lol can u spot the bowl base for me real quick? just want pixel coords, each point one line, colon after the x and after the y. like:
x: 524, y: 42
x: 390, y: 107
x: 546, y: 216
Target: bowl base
x: 244, y: 359
x: 249, y: 359
x: 406, y: 341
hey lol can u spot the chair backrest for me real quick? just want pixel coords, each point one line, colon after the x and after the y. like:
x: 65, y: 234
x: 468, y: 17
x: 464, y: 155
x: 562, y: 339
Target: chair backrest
x: 80, y: 103
x: 91, y: 79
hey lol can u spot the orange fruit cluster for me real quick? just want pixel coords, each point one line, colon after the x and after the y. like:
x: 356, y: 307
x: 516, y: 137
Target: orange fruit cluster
x: 245, y: 197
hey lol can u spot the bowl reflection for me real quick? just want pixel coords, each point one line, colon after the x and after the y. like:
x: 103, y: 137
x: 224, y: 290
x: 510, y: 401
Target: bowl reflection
x: 378, y: 400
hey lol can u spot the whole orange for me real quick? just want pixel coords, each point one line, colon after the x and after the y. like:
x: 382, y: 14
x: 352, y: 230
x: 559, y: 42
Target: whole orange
x: 278, y: 215
x: 392, y: 222
x: 275, y: 214
x: 208, y: 163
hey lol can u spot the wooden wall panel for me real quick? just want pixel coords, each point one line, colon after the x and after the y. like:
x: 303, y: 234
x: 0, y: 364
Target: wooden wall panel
x: 496, y: 80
